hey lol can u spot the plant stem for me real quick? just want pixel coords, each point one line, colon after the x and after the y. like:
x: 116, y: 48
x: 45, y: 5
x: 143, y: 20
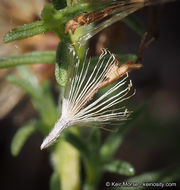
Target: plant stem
x: 65, y: 159
x: 93, y: 174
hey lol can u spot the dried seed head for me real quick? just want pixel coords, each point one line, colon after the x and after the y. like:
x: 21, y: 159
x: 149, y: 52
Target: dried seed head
x: 80, y: 107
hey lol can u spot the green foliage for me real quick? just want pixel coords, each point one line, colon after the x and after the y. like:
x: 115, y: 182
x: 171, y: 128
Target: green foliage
x: 55, y: 20
x: 28, y: 58
x: 21, y: 137
x: 94, y: 140
x: 42, y: 101
x: 77, y: 142
x: 40, y: 95
x: 63, y: 155
x: 55, y: 181
x: 115, y: 139
x: 61, y: 75
x: 169, y: 174
x: 62, y: 62
x: 30, y: 87
x: 97, y: 157
x: 52, y: 20
x: 25, y: 31
x: 120, y: 167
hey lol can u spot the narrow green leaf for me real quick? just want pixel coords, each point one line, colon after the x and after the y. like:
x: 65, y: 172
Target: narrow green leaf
x: 62, y: 62
x: 47, y: 106
x: 25, y: 31
x: 114, y: 140
x: 162, y: 176
x: 61, y: 75
x: 133, y: 22
x: 21, y: 136
x: 55, y: 181
x: 24, y: 85
x: 28, y: 58
x: 41, y: 95
x: 120, y: 167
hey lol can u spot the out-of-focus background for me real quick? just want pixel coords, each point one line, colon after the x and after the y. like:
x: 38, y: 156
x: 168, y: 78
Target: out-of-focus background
x: 154, y: 141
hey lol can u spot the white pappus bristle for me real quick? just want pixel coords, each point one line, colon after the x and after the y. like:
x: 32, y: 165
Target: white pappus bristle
x: 80, y: 107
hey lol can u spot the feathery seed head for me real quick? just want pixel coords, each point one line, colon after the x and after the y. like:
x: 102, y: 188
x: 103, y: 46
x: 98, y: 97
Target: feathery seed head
x: 80, y: 106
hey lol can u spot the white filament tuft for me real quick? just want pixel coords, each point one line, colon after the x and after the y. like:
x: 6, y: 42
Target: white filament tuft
x: 80, y: 107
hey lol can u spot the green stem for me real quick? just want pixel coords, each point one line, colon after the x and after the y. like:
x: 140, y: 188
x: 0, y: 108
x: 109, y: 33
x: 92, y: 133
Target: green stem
x: 65, y: 159
x: 93, y: 175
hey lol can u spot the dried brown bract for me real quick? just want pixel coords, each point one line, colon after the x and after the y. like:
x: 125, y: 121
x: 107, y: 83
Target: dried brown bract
x: 87, y: 18
x: 117, y: 71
